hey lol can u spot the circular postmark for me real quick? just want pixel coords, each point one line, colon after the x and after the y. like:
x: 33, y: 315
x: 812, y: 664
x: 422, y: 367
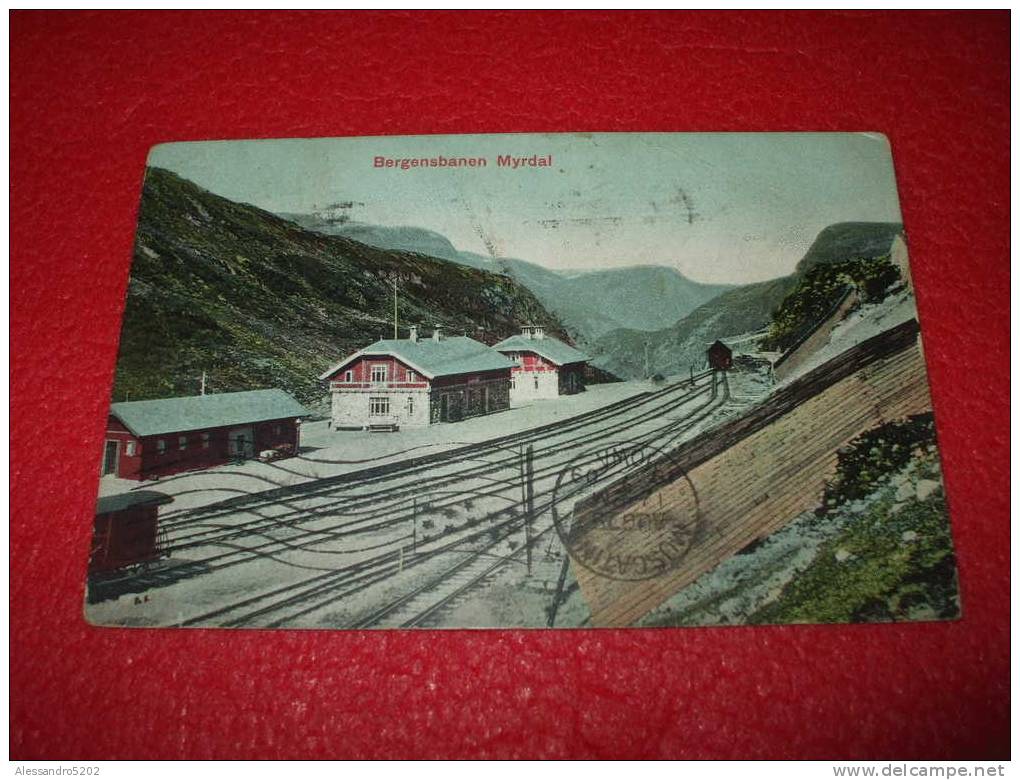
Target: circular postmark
x: 633, y: 513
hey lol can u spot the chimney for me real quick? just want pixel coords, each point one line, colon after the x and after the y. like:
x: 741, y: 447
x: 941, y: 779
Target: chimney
x: 437, y: 333
x: 414, y: 334
x: 539, y: 333
x: 526, y: 331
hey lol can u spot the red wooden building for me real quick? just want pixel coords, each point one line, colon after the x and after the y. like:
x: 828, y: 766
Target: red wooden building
x: 152, y: 438
x: 126, y: 531
x: 413, y: 383
x: 544, y: 367
x: 720, y: 357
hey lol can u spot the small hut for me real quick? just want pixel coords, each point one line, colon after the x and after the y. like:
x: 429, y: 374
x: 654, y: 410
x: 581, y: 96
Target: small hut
x: 720, y: 357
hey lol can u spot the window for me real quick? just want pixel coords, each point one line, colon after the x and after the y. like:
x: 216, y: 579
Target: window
x: 130, y: 448
x: 379, y: 373
x: 160, y: 446
x: 410, y: 406
x: 536, y: 383
x: 378, y: 407
x: 205, y: 441
x: 182, y: 442
x: 411, y: 376
x: 348, y: 376
x: 513, y: 382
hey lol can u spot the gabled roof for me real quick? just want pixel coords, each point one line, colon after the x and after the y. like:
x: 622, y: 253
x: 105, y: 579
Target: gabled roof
x: 107, y: 504
x: 449, y: 356
x: 719, y: 346
x: 195, y: 412
x: 550, y: 348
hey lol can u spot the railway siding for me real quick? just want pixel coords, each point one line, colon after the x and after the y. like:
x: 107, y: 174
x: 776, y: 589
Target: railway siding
x: 755, y: 473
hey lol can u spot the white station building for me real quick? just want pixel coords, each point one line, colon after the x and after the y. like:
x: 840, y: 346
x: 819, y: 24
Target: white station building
x: 544, y: 367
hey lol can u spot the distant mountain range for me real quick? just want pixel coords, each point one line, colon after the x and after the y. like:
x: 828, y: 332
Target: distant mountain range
x: 634, y: 320
x: 590, y: 304
x: 254, y: 300
x: 629, y: 352
x: 593, y: 303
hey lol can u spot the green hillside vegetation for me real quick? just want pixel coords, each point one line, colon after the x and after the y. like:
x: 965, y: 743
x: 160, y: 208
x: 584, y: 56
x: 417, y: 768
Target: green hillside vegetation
x: 820, y: 288
x: 894, y: 560
x: 877, y: 547
x: 256, y: 301
x: 870, y: 458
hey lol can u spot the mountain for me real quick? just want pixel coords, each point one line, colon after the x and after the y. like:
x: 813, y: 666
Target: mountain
x: 255, y: 301
x: 593, y: 303
x: 402, y: 239
x: 630, y: 353
x: 589, y: 303
x: 849, y: 240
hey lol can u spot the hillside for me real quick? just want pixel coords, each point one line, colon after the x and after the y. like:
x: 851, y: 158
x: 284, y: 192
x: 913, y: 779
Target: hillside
x: 849, y: 240
x: 256, y: 301
x: 588, y: 303
x: 401, y: 239
x: 593, y: 303
x: 633, y: 353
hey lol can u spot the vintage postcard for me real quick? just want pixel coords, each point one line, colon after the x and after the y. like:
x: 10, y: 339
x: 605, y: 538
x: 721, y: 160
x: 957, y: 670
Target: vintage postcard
x: 568, y: 380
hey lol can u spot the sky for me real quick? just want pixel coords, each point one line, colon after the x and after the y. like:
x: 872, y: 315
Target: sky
x: 719, y: 207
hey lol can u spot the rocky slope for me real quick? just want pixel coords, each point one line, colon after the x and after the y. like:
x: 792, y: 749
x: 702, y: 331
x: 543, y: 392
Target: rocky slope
x: 257, y: 301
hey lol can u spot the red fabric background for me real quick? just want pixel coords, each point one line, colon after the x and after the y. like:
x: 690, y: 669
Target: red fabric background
x: 91, y: 92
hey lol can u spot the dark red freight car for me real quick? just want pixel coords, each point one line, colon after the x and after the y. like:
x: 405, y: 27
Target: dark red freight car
x: 127, y: 531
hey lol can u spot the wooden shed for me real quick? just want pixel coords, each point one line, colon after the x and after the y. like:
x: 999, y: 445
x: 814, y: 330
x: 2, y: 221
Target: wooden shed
x: 126, y: 531
x: 147, y: 439
x: 720, y: 357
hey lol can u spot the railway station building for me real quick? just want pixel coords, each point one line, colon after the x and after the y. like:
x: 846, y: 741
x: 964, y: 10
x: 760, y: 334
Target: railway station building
x: 416, y: 382
x: 146, y: 439
x: 544, y: 367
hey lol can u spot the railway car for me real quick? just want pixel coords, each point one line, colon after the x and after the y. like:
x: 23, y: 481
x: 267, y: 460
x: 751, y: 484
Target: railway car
x: 127, y: 531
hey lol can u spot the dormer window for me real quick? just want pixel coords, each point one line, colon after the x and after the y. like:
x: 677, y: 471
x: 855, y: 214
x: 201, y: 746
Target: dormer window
x: 379, y: 373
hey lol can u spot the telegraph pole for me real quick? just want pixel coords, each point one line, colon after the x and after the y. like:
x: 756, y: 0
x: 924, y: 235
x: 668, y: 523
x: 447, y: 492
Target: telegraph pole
x: 202, y: 392
x: 395, y: 307
x: 529, y: 502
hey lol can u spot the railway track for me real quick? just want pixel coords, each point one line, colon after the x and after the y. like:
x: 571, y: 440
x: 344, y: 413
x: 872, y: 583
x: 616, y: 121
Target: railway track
x: 283, y: 605
x: 376, y: 474
x: 376, y: 507
x: 374, y: 520
x: 328, y: 486
x: 451, y: 581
